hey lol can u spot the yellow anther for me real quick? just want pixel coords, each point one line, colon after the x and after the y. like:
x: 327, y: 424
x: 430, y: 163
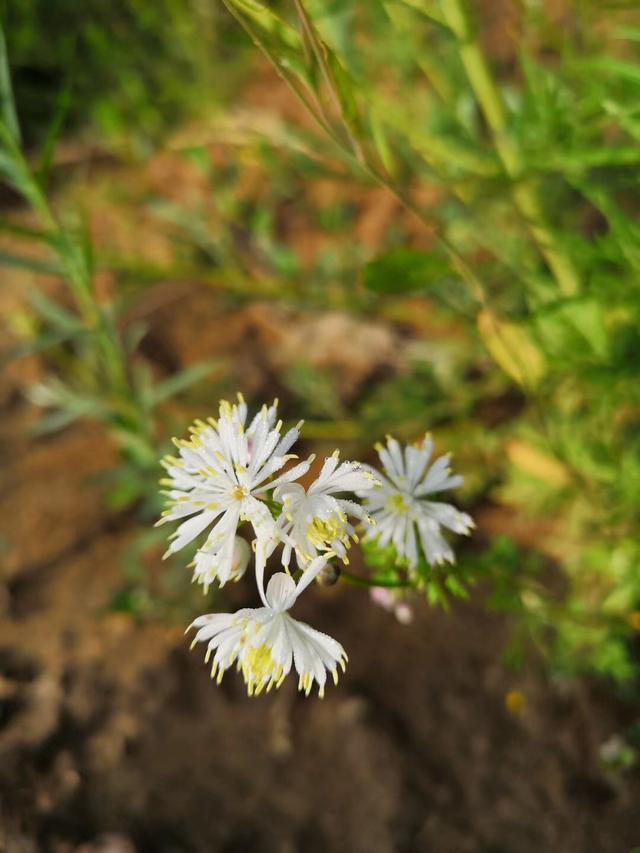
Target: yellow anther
x: 321, y: 532
x: 259, y: 668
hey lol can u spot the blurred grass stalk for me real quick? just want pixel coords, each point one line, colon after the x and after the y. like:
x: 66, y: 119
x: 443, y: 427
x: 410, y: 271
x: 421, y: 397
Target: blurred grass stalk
x: 524, y: 191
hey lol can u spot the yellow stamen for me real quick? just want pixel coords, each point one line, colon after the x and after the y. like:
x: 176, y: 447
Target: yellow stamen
x: 321, y: 532
x: 260, y: 670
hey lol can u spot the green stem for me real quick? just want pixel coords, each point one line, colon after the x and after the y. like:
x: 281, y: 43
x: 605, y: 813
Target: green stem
x: 524, y: 191
x: 356, y: 580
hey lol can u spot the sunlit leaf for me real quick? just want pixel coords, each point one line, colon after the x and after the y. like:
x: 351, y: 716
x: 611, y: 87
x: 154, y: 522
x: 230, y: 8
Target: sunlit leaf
x: 534, y: 462
x: 512, y: 348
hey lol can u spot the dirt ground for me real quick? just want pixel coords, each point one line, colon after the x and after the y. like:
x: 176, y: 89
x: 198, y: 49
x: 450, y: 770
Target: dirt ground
x: 113, y: 738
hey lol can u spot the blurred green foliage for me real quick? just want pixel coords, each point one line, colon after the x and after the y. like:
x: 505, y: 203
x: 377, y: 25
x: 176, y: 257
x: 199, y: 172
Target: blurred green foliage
x: 134, y: 68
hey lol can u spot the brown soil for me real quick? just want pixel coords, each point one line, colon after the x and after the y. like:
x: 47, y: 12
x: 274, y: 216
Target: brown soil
x: 112, y: 737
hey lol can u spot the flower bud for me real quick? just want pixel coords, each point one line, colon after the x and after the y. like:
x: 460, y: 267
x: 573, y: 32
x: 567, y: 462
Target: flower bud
x: 240, y: 559
x: 329, y: 575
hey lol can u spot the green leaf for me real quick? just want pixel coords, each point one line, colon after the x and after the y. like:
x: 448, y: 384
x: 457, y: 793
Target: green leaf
x: 124, y: 493
x: 54, y: 314
x: 39, y: 344
x: 280, y: 41
x: 612, y: 68
x: 266, y: 19
x: 181, y: 381
x: 630, y: 34
x: 19, y: 230
x: 511, y: 347
x: 405, y: 271
x: 380, y: 139
x: 428, y: 8
x: 345, y: 88
x: 7, y: 102
x: 456, y: 587
x: 55, y: 421
x: 564, y: 326
x: 63, y: 104
x: 588, y: 158
x: 9, y: 259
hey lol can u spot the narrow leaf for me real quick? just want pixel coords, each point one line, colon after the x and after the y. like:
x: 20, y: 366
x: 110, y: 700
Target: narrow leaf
x: 55, y: 421
x: 181, y: 381
x: 9, y: 259
x: 54, y: 314
x: 7, y: 101
x: 36, y: 345
x: 63, y: 104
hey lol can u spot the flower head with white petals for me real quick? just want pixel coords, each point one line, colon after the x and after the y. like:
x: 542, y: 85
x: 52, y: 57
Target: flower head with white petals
x: 314, y: 520
x: 220, y: 478
x: 266, y: 642
x: 401, y: 507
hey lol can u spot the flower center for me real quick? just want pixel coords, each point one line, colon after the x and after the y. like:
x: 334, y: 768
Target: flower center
x: 322, y: 532
x: 259, y: 669
x: 397, y: 503
x: 239, y: 493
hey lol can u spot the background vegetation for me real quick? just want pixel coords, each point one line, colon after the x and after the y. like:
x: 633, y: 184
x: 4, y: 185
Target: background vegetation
x: 464, y: 174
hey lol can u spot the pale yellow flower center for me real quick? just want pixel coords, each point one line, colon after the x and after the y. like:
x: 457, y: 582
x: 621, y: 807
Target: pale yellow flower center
x: 322, y: 532
x: 260, y: 670
x: 397, y: 503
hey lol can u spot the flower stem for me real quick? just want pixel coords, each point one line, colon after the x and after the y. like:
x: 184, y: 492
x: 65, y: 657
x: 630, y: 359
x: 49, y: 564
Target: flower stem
x: 356, y: 580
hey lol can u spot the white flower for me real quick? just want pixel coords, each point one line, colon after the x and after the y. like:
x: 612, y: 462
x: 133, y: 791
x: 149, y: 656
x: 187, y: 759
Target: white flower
x: 219, y: 478
x: 313, y: 519
x: 401, y: 508
x: 205, y: 569
x: 265, y: 642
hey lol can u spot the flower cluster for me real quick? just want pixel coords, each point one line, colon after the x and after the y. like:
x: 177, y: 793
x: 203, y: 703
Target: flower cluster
x: 230, y: 472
